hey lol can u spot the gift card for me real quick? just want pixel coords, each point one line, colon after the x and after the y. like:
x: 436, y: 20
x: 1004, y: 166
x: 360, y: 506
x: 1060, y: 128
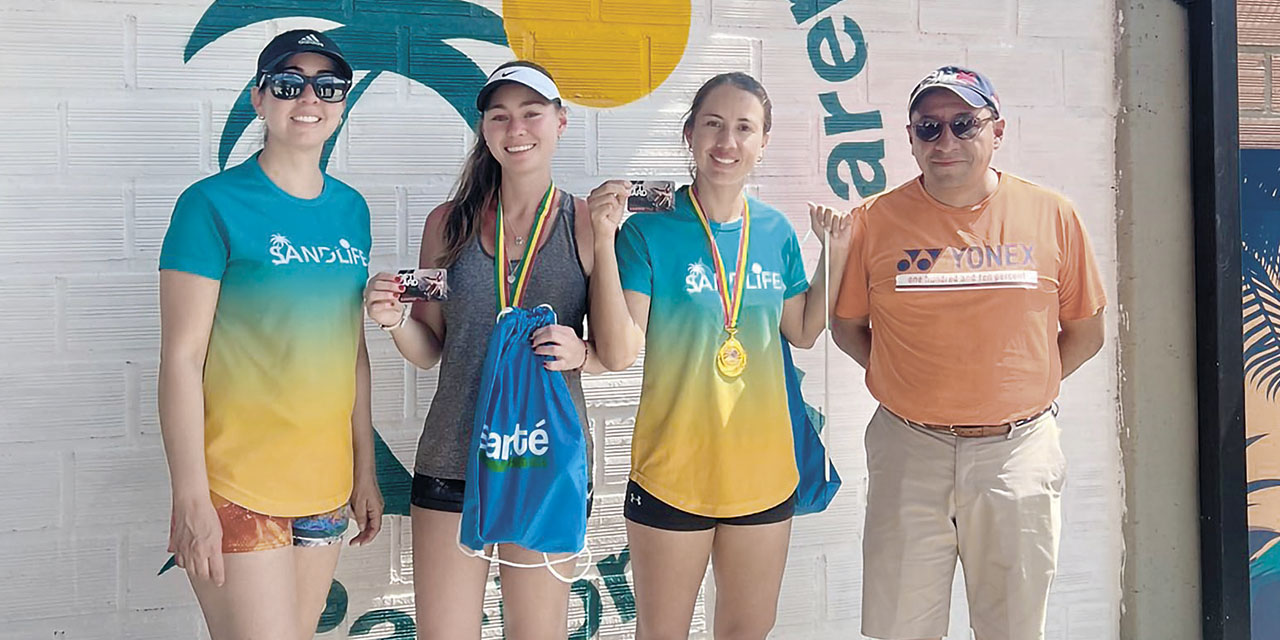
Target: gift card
x: 652, y: 195
x: 424, y: 285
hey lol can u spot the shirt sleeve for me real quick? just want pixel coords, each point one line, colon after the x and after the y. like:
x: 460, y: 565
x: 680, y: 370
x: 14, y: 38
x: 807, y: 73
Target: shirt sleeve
x: 793, y: 266
x: 196, y: 241
x: 854, y: 299
x: 635, y: 267
x: 1081, y: 293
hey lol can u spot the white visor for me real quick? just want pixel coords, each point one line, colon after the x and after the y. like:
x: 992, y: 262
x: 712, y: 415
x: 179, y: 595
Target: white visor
x: 539, y: 82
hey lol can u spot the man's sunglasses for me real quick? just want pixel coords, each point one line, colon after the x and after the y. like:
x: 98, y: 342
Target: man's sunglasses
x: 964, y: 127
x: 288, y: 85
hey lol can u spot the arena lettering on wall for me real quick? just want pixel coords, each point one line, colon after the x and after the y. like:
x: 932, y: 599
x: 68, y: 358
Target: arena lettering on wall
x: 856, y: 156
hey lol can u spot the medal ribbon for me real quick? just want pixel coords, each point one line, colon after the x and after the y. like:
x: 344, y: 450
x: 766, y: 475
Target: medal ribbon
x: 731, y: 304
x: 512, y: 297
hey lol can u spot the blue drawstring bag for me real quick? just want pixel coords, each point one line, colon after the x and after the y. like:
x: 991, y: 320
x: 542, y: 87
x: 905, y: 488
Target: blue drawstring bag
x: 815, y: 490
x: 527, y: 471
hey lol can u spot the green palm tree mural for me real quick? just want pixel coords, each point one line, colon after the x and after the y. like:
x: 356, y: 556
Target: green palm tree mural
x: 405, y: 37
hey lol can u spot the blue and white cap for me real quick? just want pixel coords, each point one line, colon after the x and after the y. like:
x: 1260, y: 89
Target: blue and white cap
x: 972, y: 87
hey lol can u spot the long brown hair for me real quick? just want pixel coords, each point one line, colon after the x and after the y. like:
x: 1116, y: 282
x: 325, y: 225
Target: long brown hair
x: 477, y: 187
x: 736, y: 79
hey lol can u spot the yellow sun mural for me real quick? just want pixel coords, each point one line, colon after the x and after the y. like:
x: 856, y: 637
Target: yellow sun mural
x: 602, y: 53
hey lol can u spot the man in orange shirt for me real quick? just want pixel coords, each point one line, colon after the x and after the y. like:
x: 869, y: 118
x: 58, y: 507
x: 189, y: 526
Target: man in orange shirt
x: 968, y: 295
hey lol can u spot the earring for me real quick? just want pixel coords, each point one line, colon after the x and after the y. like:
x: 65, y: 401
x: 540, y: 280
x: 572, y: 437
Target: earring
x: 261, y: 117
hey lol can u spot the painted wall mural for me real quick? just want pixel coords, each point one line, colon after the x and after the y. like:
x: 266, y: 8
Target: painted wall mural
x: 95, y: 155
x: 603, y: 56
x: 372, y: 37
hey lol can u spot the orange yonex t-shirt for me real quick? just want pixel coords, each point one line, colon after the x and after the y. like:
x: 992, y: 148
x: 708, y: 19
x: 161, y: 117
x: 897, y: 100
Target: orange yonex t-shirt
x: 965, y: 302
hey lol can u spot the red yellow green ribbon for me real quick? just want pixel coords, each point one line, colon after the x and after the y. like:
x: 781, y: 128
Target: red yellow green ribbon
x: 512, y: 297
x: 732, y: 305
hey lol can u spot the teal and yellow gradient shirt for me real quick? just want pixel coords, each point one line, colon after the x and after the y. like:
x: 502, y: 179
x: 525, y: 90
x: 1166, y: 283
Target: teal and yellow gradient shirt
x: 705, y: 443
x: 279, y: 378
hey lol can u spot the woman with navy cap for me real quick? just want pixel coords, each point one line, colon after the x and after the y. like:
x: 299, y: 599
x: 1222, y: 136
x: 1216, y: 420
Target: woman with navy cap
x: 504, y: 191
x: 264, y: 376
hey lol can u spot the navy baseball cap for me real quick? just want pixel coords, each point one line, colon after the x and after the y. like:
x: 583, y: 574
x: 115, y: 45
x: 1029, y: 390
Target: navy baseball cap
x: 972, y: 87
x: 290, y: 43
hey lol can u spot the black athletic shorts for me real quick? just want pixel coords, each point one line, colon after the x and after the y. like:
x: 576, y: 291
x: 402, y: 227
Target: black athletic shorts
x: 643, y: 508
x: 444, y: 494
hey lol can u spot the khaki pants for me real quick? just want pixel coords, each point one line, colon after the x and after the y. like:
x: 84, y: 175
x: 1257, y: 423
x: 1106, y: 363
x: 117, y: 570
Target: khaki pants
x: 993, y: 502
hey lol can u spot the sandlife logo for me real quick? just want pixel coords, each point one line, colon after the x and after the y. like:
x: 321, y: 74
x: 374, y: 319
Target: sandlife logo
x: 312, y: 40
x: 519, y: 449
x: 283, y: 252
x: 699, y: 278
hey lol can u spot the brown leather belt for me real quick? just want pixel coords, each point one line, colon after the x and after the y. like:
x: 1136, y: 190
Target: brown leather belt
x: 985, y: 430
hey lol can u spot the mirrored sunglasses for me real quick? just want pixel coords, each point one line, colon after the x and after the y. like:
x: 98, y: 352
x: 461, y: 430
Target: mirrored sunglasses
x: 289, y: 85
x: 963, y: 126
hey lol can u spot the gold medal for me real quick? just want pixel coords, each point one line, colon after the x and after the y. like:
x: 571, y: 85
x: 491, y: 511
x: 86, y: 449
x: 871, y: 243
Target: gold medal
x: 731, y: 358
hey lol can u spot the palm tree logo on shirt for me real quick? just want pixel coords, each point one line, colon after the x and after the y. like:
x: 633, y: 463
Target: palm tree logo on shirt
x: 409, y: 38
x: 697, y: 280
x: 282, y: 249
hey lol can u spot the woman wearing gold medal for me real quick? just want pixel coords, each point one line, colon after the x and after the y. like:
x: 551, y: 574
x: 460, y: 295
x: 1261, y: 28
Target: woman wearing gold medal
x: 710, y: 289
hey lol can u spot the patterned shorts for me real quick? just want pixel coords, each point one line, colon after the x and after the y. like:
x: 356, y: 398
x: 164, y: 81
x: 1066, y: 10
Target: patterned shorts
x: 244, y: 530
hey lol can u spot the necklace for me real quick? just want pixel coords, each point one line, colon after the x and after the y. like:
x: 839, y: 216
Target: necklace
x: 519, y: 239
x: 511, y: 285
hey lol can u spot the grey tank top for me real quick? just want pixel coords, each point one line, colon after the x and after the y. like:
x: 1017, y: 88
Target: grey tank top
x: 470, y: 313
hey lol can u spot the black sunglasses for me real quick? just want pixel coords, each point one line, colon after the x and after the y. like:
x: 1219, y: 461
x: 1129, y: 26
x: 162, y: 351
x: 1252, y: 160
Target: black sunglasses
x: 288, y: 85
x: 964, y: 127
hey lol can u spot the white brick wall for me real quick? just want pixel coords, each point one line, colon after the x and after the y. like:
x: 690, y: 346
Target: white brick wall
x: 104, y: 124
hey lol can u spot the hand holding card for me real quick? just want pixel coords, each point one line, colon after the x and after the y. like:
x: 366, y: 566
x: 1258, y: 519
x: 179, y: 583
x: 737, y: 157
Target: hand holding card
x: 606, y: 205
